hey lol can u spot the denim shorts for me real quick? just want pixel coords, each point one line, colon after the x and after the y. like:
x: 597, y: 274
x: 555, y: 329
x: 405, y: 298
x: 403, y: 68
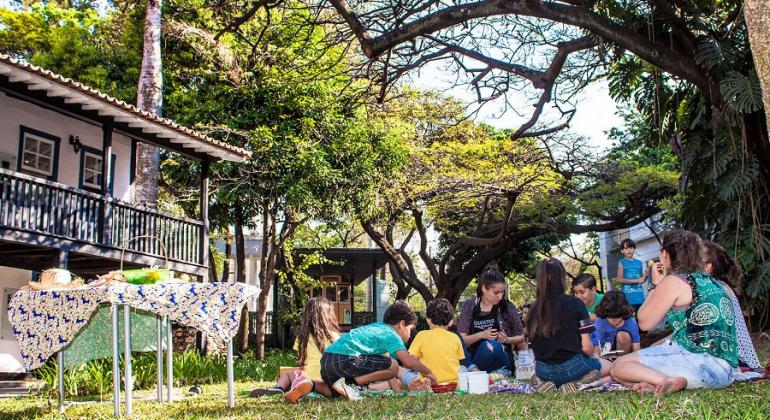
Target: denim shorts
x: 570, y: 370
x: 701, y: 370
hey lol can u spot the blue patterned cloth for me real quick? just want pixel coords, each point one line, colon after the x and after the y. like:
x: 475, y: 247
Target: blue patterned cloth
x: 46, y: 321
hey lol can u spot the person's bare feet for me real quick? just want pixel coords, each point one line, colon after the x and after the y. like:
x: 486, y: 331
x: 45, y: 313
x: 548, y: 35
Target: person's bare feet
x: 671, y: 385
x: 643, y: 387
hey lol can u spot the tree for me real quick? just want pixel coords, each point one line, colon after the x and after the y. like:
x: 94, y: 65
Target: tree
x: 757, y: 15
x: 282, y: 93
x: 486, y: 194
x: 149, y: 97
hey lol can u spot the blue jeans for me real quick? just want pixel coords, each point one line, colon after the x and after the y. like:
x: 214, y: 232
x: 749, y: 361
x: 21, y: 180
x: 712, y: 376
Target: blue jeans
x: 490, y: 355
x: 570, y: 370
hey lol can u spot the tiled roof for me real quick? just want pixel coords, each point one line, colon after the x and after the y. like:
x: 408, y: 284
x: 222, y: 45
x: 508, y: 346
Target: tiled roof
x: 88, y: 98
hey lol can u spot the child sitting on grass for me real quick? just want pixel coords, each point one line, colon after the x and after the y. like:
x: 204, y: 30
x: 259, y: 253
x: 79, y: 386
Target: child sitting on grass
x: 615, y: 329
x: 367, y: 354
x: 584, y: 288
x: 317, y: 330
x: 437, y: 348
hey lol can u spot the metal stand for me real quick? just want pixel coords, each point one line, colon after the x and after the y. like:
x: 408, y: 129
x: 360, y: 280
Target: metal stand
x: 128, y: 372
x: 159, y: 355
x: 169, y: 360
x: 115, y: 362
x: 60, y: 377
x: 230, y: 390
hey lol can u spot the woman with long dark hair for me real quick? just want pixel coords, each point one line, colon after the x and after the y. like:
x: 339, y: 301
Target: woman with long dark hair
x: 490, y: 324
x: 703, y: 349
x: 720, y: 265
x: 560, y: 332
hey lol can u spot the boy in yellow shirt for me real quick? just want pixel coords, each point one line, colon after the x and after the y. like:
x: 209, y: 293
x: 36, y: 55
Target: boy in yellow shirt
x: 439, y: 349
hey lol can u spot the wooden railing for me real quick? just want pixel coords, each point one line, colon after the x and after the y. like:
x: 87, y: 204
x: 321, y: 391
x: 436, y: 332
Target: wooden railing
x: 181, y: 236
x: 49, y: 208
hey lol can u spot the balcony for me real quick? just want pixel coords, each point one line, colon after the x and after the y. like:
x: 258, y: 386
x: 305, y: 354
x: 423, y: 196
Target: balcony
x: 49, y: 215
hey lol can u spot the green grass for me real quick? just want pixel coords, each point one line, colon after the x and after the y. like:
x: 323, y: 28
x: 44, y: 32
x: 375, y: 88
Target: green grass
x: 740, y: 401
x: 737, y: 402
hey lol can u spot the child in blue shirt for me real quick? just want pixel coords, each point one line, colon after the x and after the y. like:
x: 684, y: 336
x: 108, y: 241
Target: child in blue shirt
x: 631, y: 275
x: 614, y: 328
x: 368, y: 353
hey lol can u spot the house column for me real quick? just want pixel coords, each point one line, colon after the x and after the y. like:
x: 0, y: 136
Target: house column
x: 63, y: 259
x: 374, y: 292
x: 105, y: 218
x: 204, y: 211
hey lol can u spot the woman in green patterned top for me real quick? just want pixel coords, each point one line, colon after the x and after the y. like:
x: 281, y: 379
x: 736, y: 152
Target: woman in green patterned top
x: 703, y: 349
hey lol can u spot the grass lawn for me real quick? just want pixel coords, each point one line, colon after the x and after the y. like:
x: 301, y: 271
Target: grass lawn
x: 748, y: 400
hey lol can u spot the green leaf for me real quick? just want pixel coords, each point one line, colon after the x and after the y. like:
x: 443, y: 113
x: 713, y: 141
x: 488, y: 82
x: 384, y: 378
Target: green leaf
x: 742, y: 93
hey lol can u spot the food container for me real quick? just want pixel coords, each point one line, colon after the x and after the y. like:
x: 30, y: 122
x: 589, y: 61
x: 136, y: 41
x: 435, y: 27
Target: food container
x: 462, y: 381
x: 443, y: 387
x: 147, y: 275
x: 478, y: 383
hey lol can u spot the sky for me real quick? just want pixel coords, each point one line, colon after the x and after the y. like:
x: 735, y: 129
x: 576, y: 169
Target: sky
x: 596, y: 112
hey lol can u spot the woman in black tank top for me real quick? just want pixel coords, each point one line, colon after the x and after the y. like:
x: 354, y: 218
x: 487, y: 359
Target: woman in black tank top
x: 490, y: 325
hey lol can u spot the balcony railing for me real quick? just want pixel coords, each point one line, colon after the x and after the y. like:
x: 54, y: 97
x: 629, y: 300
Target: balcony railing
x: 49, y: 208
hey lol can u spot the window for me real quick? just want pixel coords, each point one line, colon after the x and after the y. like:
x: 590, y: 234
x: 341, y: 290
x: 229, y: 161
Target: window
x: 331, y: 293
x: 344, y: 293
x: 6, y: 332
x: 38, y: 152
x: 91, y: 169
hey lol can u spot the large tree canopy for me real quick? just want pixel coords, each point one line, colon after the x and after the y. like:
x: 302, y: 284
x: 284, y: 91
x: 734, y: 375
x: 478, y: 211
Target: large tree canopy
x: 487, y: 195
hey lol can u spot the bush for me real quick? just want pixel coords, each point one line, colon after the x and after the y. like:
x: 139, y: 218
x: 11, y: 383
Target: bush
x: 190, y: 368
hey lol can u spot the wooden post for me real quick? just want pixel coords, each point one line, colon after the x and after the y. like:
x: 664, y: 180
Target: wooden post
x: 374, y: 292
x: 203, y: 246
x: 105, y: 218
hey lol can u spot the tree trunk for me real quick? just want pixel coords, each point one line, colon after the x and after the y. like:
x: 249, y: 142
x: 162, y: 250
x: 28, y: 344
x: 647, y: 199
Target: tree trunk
x: 212, y: 267
x: 757, y: 15
x: 242, y: 338
x: 149, y: 97
x: 266, y: 280
x: 226, y: 264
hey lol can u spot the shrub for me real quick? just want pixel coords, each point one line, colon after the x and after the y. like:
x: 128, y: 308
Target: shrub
x: 190, y: 368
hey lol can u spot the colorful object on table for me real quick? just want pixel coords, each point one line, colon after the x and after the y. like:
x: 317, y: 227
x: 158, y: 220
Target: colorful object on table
x: 46, y: 321
x: 443, y: 388
x: 55, y: 279
x: 147, y: 275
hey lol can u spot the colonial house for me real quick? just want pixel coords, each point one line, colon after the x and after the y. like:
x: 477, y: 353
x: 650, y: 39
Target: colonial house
x: 67, y: 159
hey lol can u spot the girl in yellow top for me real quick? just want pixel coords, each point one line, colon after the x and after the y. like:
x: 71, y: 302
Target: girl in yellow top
x: 317, y: 330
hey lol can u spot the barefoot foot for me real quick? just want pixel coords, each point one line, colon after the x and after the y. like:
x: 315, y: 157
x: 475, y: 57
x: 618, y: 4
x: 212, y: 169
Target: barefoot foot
x: 671, y: 385
x: 643, y: 387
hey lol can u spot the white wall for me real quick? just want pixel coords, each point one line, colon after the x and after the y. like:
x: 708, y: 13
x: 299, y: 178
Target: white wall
x: 15, y: 112
x: 11, y: 279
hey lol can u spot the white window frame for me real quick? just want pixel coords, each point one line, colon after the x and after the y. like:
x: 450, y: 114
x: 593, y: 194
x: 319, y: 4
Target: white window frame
x: 100, y: 158
x: 24, y: 151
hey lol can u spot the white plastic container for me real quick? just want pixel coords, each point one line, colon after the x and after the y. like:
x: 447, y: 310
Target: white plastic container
x: 478, y: 383
x: 462, y: 381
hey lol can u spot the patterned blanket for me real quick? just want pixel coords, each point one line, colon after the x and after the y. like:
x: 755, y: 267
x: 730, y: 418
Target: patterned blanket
x: 46, y: 321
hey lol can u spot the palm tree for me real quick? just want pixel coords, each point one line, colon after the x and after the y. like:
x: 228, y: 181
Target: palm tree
x: 149, y: 97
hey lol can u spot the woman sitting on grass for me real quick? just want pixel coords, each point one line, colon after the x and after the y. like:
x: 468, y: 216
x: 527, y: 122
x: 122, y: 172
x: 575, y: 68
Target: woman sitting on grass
x: 726, y: 270
x: 703, y: 349
x: 317, y: 330
x: 559, y: 329
x: 616, y: 329
x: 489, y: 325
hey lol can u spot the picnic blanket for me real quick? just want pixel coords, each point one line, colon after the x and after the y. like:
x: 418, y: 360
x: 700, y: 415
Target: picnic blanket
x: 46, y: 321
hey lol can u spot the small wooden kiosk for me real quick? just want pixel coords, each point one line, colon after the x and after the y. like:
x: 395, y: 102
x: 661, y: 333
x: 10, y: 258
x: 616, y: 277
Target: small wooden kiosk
x: 349, y: 267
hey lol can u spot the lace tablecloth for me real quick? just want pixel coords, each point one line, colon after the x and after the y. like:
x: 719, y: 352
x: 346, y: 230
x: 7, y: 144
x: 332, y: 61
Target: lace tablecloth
x: 44, y: 322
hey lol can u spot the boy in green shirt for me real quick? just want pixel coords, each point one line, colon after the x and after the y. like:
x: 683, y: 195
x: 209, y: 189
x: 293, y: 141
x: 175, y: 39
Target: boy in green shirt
x: 367, y: 354
x: 584, y: 288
